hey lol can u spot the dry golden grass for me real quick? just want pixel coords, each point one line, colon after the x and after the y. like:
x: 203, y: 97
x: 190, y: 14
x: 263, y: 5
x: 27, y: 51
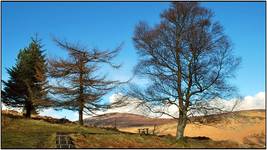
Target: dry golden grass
x: 246, y: 127
x: 126, y: 140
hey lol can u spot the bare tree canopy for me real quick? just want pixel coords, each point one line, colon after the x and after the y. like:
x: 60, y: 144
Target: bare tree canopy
x: 188, y: 60
x: 78, y: 85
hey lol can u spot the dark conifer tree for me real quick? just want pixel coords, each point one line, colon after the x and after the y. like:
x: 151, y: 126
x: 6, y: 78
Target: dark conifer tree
x: 27, y: 85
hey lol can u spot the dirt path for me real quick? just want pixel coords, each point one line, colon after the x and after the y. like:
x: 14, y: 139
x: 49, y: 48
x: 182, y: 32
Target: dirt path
x: 63, y: 140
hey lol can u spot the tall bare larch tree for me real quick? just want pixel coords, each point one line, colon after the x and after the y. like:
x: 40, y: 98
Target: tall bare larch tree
x: 78, y: 85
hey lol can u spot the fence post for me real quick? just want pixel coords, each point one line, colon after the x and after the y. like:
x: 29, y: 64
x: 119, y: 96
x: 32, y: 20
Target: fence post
x: 154, y: 129
x: 115, y: 123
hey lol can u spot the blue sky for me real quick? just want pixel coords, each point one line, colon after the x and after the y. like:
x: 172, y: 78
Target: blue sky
x: 106, y: 24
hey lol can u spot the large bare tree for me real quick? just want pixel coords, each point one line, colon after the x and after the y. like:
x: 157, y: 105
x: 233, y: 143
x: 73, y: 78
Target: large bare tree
x: 188, y: 60
x: 77, y: 83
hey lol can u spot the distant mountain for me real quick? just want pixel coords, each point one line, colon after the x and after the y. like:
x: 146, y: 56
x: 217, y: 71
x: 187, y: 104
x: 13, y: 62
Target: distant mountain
x: 133, y: 120
x: 124, y: 120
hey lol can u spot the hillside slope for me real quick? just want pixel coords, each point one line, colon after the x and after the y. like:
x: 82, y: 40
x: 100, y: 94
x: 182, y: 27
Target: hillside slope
x: 17, y: 132
x: 29, y: 133
x: 124, y: 120
x: 244, y: 127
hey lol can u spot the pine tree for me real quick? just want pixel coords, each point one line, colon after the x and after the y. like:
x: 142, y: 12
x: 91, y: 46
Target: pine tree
x: 27, y: 85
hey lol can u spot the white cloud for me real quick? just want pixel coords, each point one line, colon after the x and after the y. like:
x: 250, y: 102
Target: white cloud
x: 4, y: 107
x: 253, y: 102
x: 50, y: 112
x: 249, y: 102
x: 114, y: 97
x: 130, y: 108
x: 71, y: 115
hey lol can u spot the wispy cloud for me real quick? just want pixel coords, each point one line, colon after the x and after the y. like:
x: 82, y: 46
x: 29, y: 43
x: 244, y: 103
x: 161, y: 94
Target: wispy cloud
x: 71, y: 115
x: 253, y: 102
x: 50, y: 112
x: 248, y: 102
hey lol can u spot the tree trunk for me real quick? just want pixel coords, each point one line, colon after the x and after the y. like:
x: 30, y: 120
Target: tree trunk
x: 180, y: 130
x: 81, y: 100
x: 81, y: 115
x: 28, y: 109
x: 181, y: 126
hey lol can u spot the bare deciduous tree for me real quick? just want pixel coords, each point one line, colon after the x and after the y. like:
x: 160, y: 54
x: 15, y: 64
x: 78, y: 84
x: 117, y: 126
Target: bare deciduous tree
x: 78, y: 86
x: 188, y: 60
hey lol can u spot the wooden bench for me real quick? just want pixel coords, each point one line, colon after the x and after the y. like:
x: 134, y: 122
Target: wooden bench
x: 143, y: 131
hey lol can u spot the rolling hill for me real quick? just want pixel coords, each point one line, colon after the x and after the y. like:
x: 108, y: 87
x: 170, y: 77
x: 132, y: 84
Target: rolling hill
x: 124, y: 120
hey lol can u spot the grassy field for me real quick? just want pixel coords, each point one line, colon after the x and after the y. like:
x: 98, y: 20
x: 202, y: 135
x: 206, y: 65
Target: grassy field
x: 28, y: 133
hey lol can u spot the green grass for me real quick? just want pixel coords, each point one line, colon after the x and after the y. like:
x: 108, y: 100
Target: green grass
x: 27, y: 133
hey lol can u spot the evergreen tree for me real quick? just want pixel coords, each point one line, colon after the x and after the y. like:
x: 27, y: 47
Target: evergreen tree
x: 27, y: 85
